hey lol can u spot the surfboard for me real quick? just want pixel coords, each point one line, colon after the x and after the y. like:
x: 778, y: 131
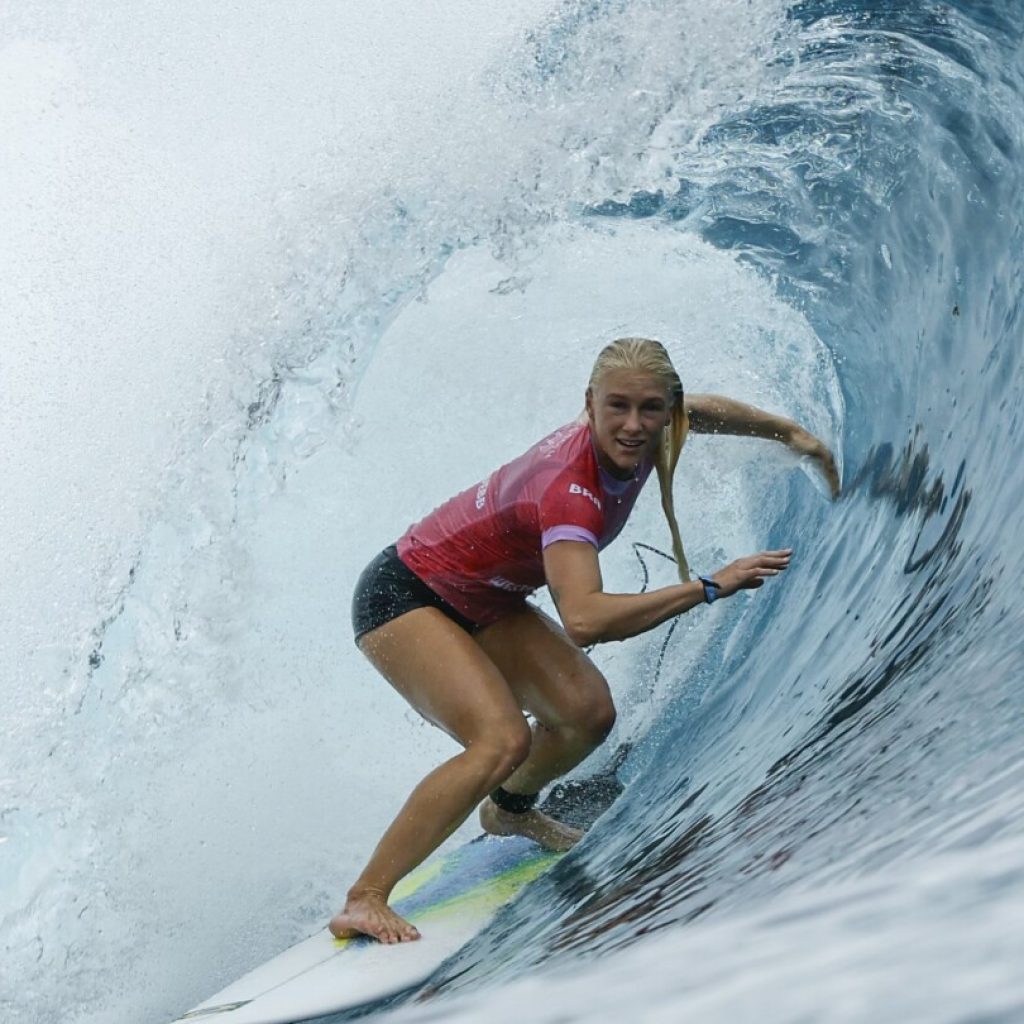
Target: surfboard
x: 449, y: 899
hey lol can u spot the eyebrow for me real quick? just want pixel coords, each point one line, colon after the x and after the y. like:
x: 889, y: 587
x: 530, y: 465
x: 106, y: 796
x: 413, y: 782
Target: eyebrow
x: 649, y: 398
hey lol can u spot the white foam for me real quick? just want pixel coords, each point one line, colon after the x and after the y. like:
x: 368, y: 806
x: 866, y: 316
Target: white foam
x: 198, y: 209
x: 147, y: 163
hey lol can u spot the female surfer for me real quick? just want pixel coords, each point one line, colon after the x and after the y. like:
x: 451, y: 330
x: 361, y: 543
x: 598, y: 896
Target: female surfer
x: 444, y: 618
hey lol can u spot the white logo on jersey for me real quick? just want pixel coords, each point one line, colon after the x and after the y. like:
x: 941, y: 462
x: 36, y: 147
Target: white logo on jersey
x: 550, y: 445
x: 503, y: 584
x: 481, y: 494
x: 576, y: 489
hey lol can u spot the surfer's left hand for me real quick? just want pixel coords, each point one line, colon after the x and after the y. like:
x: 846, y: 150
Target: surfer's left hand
x: 803, y: 442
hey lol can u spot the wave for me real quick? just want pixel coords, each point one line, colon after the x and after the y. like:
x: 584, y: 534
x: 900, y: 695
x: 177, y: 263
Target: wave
x: 814, y: 205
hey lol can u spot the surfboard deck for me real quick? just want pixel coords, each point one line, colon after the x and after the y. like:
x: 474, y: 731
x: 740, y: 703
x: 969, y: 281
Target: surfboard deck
x: 449, y: 899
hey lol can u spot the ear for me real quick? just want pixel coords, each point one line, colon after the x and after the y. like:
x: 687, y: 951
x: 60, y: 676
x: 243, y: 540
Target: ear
x: 589, y: 404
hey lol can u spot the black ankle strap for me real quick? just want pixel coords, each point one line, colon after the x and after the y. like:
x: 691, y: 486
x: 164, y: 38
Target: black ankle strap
x: 514, y: 803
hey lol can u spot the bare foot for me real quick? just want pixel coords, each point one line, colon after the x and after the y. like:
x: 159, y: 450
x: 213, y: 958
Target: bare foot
x: 535, y: 825
x: 368, y: 913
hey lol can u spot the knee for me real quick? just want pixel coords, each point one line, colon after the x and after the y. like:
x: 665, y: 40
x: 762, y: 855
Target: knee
x: 598, y: 719
x: 503, y: 749
x: 590, y: 715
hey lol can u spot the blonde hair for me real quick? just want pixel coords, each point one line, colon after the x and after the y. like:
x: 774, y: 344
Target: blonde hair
x: 652, y: 357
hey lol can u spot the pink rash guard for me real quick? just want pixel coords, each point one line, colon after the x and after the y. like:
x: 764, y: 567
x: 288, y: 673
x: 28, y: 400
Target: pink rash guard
x: 482, y: 551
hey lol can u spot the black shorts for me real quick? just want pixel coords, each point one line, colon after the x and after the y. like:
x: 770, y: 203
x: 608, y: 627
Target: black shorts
x: 388, y: 588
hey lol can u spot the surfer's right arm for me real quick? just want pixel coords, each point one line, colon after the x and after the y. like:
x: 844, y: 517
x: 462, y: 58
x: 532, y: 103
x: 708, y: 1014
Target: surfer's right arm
x: 591, y: 616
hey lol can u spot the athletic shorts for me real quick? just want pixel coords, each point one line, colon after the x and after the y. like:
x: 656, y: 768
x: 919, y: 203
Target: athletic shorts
x: 388, y: 588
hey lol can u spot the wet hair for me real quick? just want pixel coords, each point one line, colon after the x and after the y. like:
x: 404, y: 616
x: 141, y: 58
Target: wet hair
x: 651, y: 357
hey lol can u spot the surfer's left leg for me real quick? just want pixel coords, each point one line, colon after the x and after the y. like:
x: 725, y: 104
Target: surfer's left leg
x: 572, y: 709
x: 530, y: 822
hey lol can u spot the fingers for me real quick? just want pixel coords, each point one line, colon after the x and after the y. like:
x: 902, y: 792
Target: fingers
x: 750, y: 573
x: 751, y: 579
x: 830, y: 473
x: 768, y: 559
x: 827, y: 465
x: 807, y: 444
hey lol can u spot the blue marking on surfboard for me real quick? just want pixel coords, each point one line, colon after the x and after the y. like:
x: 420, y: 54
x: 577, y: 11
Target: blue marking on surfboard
x: 473, y: 871
x: 482, y: 860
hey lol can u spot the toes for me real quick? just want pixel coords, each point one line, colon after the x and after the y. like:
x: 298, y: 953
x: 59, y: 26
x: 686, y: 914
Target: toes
x: 372, y: 919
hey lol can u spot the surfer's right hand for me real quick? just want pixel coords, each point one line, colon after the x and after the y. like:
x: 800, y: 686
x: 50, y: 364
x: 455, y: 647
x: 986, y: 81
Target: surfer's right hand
x: 749, y: 573
x: 805, y: 443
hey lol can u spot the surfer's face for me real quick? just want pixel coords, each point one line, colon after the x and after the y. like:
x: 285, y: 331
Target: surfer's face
x: 627, y: 409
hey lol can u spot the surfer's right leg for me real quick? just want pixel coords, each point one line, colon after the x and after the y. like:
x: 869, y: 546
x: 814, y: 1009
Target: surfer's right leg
x: 573, y: 713
x: 443, y: 673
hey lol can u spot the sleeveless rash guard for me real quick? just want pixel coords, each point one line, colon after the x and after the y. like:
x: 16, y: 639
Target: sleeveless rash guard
x: 482, y: 551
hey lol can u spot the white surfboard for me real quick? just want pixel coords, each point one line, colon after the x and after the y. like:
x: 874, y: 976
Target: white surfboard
x: 448, y: 899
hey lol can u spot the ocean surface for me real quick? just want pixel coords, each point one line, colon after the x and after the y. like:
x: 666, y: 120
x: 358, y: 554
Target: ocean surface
x: 275, y: 280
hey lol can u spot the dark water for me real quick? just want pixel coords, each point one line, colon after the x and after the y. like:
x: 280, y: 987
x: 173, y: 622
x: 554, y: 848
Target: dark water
x: 864, y: 724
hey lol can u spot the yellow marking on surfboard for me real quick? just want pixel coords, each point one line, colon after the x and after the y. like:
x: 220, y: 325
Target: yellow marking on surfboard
x: 407, y: 887
x: 493, y: 892
x: 417, y: 879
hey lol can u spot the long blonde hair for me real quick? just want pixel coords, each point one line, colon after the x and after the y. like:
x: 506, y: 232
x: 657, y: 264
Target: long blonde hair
x: 651, y: 357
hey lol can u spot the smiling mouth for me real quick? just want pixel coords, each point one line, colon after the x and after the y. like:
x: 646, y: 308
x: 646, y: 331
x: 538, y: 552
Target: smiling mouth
x: 633, y: 445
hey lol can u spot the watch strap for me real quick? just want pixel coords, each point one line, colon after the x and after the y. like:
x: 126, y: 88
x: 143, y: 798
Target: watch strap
x: 710, y: 589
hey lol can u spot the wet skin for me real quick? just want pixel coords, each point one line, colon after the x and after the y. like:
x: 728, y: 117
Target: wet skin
x: 627, y: 411
x: 476, y: 689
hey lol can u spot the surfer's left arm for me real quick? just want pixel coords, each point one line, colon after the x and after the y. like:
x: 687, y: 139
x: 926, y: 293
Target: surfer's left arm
x: 716, y: 414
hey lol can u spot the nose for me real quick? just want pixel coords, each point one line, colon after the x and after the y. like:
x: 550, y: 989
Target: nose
x: 633, y: 424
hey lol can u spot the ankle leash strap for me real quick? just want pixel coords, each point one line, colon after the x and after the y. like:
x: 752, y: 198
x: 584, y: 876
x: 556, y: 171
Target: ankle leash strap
x: 514, y: 803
